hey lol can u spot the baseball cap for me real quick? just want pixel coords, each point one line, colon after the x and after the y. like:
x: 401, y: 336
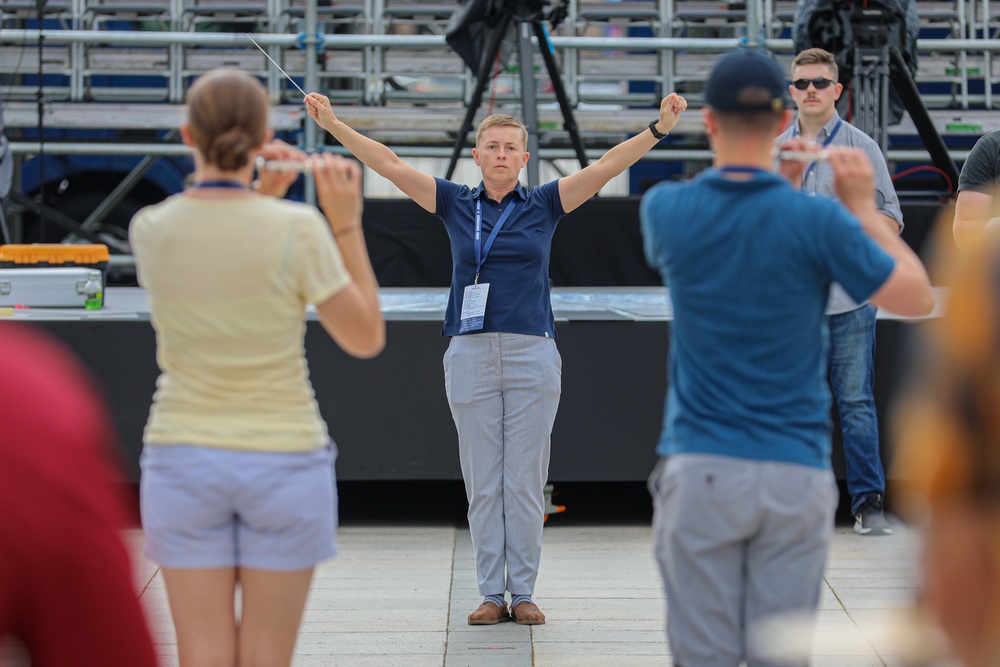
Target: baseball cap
x: 744, y: 81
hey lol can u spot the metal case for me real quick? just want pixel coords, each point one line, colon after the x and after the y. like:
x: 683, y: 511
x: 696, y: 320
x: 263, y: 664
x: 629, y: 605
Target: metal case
x: 51, y: 288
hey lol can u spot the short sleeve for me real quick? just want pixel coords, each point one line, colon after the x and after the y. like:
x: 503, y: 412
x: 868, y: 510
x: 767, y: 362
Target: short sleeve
x: 317, y: 260
x: 553, y: 202
x: 979, y: 173
x: 853, y: 259
x: 650, y: 244
x: 447, y: 194
x: 885, y: 192
x: 136, y: 237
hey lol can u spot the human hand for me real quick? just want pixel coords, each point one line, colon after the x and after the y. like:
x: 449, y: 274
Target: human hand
x: 671, y: 107
x: 794, y: 169
x: 338, y: 188
x: 276, y: 183
x: 854, y: 178
x: 319, y: 109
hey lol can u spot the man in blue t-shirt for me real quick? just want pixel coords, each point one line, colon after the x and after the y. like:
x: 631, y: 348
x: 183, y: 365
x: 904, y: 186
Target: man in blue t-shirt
x: 744, y: 494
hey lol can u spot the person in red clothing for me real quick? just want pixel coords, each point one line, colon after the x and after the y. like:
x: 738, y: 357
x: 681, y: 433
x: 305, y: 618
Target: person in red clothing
x: 66, y: 588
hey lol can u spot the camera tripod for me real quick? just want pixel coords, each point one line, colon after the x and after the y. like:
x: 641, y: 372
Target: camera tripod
x: 874, y: 68
x: 526, y: 26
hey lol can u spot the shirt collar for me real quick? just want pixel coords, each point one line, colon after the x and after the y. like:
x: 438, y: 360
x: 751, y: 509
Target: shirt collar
x: 827, y: 129
x: 479, y: 191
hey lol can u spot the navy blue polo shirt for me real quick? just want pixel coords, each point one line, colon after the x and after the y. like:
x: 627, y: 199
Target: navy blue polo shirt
x: 517, y: 267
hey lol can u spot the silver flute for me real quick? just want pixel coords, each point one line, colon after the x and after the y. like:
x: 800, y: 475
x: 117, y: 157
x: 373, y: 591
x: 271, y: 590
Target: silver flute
x: 285, y: 166
x: 803, y: 156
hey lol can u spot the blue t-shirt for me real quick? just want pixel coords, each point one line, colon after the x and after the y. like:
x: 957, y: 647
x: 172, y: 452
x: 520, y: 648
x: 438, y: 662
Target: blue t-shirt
x: 749, y: 266
x: 517, y: 267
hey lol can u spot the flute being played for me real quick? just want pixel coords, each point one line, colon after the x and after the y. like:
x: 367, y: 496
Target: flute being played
x: 802, y: 156
x: 304, y: 166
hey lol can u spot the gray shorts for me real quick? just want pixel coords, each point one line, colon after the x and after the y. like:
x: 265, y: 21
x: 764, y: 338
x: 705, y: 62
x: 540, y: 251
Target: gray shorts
x: 742, y: 547
x: 205, y: 507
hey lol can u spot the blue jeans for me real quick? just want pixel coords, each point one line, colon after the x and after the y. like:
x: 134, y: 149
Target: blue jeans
x: 852, y: 378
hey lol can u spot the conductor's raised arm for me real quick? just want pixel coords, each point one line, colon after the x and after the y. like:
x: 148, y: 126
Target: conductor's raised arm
x: 584, y: 184
x: 418, y: 186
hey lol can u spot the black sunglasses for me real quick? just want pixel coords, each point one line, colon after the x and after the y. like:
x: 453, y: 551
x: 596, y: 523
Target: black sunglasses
x: 820, y: 83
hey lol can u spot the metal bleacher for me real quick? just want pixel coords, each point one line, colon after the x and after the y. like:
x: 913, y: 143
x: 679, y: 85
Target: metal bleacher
x: 385, y: 65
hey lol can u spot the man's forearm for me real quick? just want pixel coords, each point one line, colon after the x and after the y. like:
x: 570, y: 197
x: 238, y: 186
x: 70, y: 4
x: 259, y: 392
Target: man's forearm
x: 894, y: 225
x: 967, y: 232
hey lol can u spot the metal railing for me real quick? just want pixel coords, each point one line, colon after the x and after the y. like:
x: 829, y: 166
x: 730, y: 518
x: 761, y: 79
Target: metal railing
x: 676, y: 60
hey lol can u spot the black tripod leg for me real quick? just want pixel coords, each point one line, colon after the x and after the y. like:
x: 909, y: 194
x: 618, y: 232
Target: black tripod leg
x: 61, y: 219
x: 900, y: 77
x: 529, y: 105
x: 477, y: 96
x: 569, y: 121
x: 4, y: 230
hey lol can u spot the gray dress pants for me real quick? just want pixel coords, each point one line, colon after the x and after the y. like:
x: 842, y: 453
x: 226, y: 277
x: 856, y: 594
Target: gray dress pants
x: 504, y: 390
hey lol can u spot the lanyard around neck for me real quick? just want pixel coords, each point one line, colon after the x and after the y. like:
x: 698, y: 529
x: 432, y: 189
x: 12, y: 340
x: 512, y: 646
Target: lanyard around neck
x: 220, y: 184
x: 826, y: 142
x: 481, y: 252
x: 742, y: 169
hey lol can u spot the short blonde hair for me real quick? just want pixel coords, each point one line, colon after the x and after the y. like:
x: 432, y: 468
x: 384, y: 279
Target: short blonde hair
x: 816, y: 57
x: 502, y: 120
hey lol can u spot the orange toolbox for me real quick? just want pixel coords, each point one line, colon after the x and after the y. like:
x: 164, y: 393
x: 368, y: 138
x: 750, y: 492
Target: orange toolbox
x: 54, y: 275
x: 62, y: 255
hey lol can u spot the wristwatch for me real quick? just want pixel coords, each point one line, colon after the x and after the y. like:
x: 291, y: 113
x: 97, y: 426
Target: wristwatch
x: 656, y: 133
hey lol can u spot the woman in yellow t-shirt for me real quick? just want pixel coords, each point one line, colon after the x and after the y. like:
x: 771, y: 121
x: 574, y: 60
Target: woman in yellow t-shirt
x: 237, y: 465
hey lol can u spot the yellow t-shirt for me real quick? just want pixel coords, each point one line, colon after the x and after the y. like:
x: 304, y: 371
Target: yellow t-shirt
x: 228, y: 283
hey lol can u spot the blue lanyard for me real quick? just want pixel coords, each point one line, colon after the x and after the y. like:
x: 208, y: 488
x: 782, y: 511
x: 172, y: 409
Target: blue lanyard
x: 220, y: 184
x: 483, y: 253
x: 829, y: 138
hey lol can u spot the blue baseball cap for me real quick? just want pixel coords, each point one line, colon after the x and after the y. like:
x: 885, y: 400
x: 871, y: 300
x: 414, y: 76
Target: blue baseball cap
x: 747, y: 80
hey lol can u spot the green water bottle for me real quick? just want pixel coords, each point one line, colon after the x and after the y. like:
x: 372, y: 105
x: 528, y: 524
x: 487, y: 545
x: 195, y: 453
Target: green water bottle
x: 94, y: 291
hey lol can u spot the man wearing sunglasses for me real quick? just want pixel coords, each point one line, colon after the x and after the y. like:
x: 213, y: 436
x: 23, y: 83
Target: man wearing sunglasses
x: 851, y: 365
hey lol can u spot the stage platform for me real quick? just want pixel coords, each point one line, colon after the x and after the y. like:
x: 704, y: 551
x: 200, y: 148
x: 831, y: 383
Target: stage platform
x: 389, y: 415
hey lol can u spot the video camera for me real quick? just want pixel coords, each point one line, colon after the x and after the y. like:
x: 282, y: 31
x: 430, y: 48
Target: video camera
x: 470, y: 26
x: 839, y: 26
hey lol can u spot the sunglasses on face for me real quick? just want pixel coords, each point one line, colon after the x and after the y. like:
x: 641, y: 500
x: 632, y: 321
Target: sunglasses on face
x: 819, y: 83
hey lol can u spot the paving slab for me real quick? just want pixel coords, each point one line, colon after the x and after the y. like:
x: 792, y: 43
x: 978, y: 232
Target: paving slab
x: 399, y: 595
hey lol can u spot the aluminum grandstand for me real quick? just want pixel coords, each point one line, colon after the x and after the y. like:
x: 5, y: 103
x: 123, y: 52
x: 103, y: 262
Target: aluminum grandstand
x: 114, y: 74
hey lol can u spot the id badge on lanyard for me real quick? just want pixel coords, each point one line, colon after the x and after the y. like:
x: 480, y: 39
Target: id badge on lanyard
x: 475, y: 295
x: 812, y: 165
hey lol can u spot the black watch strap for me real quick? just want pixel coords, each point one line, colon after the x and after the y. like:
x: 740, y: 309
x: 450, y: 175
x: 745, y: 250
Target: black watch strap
x: 656, y: 133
